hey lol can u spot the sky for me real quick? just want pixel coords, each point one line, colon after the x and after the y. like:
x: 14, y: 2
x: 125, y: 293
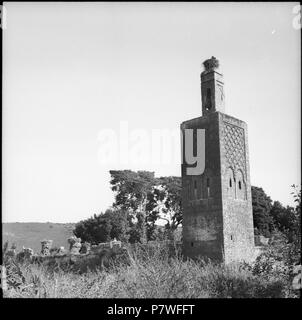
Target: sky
x: 72, y: 70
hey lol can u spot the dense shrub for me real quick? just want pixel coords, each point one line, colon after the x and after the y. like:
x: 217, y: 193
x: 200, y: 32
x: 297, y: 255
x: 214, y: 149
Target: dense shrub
x: 262, y: 205
x: 103, y: 227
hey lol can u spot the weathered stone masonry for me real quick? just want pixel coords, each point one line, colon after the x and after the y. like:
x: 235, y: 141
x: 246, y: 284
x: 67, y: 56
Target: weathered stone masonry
x: 217, y: 206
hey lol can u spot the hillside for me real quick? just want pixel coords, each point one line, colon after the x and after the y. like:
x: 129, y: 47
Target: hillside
x: 30, y: 234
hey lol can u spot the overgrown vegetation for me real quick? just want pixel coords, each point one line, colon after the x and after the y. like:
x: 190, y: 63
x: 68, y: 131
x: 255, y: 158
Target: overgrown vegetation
x: 142, y: 201
x: 270, y: 216
x: 156, y: 271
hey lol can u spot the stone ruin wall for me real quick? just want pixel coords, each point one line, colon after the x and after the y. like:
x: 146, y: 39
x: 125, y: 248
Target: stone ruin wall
x: 76, y: 249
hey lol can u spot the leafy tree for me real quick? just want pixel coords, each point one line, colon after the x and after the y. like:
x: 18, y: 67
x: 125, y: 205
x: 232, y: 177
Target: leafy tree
x: 137, y: 229
x: 156, y: 232
x: 284, y: 251
x: 93, y: 230
x: 297, y: 198
x: 164, y: 203
x: 131, y: 194
x: 147, y: 199
x: 296, y: 248
x: 262, y: 205
x: 151, y: 199
x: 284, y: 218
x: 131, y: 189
x: 119, y: 224
x: 103, y: 227
x: 172, y: 210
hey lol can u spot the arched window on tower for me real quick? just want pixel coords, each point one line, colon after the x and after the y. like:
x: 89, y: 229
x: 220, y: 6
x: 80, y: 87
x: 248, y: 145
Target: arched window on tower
x: 208, y: 99
x: 241, y: 189
x: 207, y: 184
x: 230, y: 183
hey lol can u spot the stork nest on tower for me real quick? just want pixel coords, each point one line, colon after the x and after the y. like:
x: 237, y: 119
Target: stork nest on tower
x: 211, y: 64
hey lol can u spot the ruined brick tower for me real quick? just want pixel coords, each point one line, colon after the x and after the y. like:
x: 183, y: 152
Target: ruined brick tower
x: 217, y: 206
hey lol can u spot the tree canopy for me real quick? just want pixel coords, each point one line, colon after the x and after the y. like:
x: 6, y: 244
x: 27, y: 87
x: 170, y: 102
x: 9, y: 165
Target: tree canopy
x: 262, y: 205
x: 148, y: 199
x: 142, y: 200
x: 103, y: 227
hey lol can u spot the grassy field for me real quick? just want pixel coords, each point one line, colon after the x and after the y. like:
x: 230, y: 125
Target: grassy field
x: 30, y: 235
x: 148, y: 273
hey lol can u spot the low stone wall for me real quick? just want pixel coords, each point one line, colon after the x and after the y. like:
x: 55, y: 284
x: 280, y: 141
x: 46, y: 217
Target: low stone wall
x: 83, y: 256
x: 82, y: 262
x: 79, y: 257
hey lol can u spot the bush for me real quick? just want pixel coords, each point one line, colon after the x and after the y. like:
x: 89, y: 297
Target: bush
x: 104, y: 227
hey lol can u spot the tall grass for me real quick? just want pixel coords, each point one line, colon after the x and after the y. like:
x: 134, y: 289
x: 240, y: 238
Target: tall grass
x: 149, y: 272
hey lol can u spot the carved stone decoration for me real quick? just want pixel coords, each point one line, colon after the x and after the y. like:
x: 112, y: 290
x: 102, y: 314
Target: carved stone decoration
x: 234, y: 146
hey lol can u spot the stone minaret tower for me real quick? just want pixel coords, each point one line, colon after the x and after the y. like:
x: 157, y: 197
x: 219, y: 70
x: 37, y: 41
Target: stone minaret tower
x: 217, y: 205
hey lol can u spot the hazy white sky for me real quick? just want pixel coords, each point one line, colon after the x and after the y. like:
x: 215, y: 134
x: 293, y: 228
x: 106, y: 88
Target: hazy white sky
x: 73, y: 69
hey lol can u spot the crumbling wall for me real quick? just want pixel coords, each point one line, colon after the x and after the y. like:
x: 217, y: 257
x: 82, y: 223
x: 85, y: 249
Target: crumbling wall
x: 80, y: 257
